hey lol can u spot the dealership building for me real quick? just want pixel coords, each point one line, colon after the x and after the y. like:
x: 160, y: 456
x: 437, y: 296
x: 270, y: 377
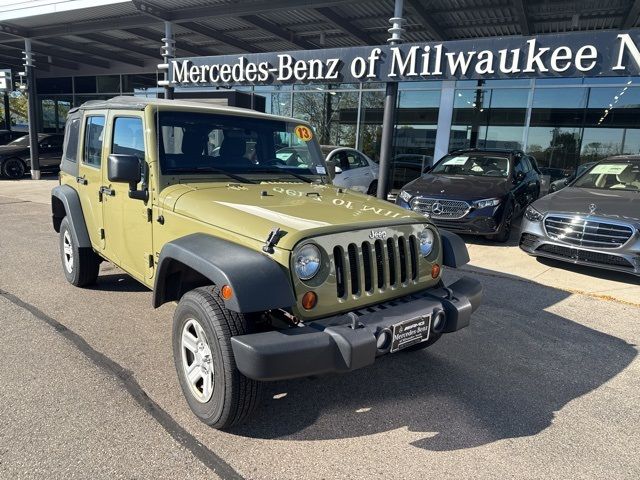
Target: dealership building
x: 559, y: 79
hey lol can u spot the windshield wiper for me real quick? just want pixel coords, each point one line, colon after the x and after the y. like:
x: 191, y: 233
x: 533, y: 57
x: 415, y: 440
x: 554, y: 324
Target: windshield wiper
x: 279, y: 170
x: 212, y: 170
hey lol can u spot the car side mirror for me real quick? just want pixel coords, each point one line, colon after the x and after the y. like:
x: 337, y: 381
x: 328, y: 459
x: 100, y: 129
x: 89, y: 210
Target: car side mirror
x: 332, y: 168
x: 338, y: 170
x: 122, y: 168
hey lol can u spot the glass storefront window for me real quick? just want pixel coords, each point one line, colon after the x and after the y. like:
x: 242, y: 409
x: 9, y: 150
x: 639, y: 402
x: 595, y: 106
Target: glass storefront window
x: 332, y: 114
x: 371, y: 110
x: 84, y: 84
x: 53, y: 111
x: 108, y: 84
x: 489, y: 118
x: 142, y: 81
x: 54, y: 85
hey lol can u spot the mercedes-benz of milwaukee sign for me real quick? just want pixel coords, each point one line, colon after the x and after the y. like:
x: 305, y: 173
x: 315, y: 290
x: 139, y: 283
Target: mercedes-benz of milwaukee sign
x: 572, y: 54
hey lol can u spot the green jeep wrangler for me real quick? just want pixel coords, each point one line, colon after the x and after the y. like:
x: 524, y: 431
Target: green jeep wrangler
x: 277, y: 274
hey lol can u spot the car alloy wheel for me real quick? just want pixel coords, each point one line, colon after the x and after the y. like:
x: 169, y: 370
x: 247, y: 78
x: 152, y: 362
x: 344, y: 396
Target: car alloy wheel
x: 197, y: 362
x: 13, y: 168
x: 67, y: 254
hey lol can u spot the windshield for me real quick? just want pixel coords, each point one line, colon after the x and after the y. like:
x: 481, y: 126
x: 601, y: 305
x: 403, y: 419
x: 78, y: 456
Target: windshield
x: 20, y: 142
x: 210, y: 143
x: 611, y: 176
x: 475, y: 165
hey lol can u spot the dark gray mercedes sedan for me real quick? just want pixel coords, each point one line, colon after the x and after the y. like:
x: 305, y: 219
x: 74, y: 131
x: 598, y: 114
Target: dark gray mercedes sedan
x: 594, y: 221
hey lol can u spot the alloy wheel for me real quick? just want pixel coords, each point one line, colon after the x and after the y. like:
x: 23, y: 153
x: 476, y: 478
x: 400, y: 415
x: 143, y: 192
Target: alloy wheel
x: 67, y: 251
x: 197, y: 361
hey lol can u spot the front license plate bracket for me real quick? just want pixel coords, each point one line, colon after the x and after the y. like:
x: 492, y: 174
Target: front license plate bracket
x: 410, y: 332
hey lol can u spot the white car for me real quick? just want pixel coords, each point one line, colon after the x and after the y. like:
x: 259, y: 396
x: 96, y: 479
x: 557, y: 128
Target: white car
x: 354, y: 169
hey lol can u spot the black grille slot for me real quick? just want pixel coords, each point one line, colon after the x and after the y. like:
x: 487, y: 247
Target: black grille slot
x: 340, y: 279
x: 353, y: 267
x: 402, y: 250
x: 413, y: 253
x: 366, y: 264
x: 379, y: 262
x: 391, y: 252
x: 585, y: 255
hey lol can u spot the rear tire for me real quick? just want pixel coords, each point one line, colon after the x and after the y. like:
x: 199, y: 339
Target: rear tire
x: 80, y: 265
x: 13, y: 168
x: 215, y: 390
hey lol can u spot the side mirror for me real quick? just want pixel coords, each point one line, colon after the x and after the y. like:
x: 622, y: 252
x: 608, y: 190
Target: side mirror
x: 122, y: 168
x: 338, y: 170
x: 332, y: 169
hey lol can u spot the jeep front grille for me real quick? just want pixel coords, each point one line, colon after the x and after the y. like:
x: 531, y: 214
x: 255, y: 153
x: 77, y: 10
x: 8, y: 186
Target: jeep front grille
x: 360, y: 268
x: 440, y: 208
x: 587, y: 233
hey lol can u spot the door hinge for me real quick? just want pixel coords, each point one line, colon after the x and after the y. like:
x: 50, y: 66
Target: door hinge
x: 150, y: 260
x: 102, y: 234
x: 149, y: 215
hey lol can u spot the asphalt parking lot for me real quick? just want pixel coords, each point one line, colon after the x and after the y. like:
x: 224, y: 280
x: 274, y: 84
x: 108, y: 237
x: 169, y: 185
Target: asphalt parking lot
x: 544, y: 384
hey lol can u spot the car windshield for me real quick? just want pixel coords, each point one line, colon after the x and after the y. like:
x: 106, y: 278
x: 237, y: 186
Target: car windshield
x: 612, y: 176
x: 473, y: 165
x: 20, y: 142
x: 192, y: 142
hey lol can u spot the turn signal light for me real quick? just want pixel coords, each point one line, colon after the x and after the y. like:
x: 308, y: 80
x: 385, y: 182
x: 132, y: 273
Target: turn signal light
x: 435, y: 271
x: 226, y: 292
x: 309, y: 300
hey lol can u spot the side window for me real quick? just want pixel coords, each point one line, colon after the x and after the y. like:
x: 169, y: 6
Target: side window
x: 520, y: 166
x: 93, y: 137
x: 128, y: 136
x: 71, y: 140
x: 355, y: 160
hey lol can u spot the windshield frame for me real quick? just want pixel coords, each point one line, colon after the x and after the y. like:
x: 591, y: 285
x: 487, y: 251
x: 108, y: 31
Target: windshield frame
x: 280, y: 125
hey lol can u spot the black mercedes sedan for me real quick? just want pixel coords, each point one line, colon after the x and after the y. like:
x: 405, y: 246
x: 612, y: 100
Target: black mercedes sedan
x: 475, y: 191
x: 15, y: 157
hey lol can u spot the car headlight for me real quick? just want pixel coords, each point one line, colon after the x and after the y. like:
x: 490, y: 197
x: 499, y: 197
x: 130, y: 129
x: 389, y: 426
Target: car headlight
x: 427, y: 239
x: 487, y: 202
x: 532, y: 214
x: 406, y: 196
x: 306, y: 262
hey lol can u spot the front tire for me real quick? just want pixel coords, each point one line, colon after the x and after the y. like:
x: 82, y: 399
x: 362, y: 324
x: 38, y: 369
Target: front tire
x: 505, y: 228
x: 80, y: 265
x: 216, y: 391
x: 13, y: 168
x: 373, y: 188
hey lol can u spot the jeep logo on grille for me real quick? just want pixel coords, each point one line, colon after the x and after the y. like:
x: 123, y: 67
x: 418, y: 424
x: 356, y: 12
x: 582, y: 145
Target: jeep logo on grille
x: 380, y: 234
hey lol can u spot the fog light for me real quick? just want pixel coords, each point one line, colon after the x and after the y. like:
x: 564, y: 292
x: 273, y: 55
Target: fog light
x: 383, y: 340
x: 309, y: 300
x: 435, y: 271
x: 226, y: 292
x: 438, y: 321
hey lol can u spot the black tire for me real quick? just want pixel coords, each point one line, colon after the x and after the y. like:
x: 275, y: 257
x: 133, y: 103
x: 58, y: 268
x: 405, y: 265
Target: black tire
x: 373, y: 188
x: 234, y: 396
x: 83, y: 267
x: 504, y: 232
x: 13, y: 168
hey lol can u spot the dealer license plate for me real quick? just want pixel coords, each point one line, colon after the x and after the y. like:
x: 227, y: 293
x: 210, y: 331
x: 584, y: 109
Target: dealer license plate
x: 410, y: 332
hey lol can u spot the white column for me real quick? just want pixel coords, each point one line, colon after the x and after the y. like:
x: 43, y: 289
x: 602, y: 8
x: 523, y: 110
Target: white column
x: 445, y: 115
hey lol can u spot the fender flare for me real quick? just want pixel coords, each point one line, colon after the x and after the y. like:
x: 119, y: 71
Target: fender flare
x: 258, y: 282
x: 70, y: 200
x: 454, y: 250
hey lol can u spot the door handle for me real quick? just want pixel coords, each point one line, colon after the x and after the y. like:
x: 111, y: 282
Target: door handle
x: 82, y: 181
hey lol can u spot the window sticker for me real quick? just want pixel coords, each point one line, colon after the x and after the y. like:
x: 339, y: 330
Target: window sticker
x: 456, y: 161
x: 303, y: 133
x: 609, y: 168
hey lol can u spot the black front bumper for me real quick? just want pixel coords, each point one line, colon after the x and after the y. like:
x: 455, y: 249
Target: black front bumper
x: 332, y: 345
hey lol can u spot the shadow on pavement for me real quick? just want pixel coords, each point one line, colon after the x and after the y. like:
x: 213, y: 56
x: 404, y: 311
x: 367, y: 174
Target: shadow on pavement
x: 117, y: 282
x: 503, y: 377
x: 591, y: 271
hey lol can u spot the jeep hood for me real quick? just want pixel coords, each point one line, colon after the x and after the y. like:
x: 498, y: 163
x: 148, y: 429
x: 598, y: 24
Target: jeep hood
x: 611, y: 204
x: 299, y: 210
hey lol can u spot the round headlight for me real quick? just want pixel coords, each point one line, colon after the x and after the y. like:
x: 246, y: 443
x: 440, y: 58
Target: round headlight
x: 426, y: 242
x: 306, y: 262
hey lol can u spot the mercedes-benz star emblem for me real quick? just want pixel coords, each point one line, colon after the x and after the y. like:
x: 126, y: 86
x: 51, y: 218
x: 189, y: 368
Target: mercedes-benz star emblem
x: 592, y: 208
x: 436, y: 208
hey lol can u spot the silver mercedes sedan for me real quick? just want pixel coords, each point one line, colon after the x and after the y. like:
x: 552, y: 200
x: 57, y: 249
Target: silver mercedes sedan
x: 594, y: 221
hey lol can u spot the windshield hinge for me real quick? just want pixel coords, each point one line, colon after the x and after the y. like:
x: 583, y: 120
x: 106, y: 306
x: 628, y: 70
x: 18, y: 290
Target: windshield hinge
x: 272, y: 240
